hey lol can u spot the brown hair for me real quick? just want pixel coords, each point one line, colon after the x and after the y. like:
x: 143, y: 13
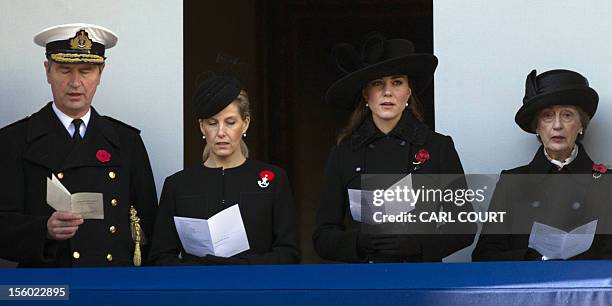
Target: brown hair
x: 242, y: 101
x: 361, y: 112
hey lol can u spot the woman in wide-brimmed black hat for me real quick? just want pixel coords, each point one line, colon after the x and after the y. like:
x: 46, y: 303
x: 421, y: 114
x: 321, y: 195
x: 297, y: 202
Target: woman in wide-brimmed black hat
x: 385, y: 135
x: 561, y: 187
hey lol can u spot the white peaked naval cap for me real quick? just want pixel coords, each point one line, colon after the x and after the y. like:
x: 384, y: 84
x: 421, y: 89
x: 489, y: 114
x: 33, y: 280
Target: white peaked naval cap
x: 76, y: 42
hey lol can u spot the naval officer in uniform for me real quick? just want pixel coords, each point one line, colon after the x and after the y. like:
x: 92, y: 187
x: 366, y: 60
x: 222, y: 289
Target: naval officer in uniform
x: 87, y: 152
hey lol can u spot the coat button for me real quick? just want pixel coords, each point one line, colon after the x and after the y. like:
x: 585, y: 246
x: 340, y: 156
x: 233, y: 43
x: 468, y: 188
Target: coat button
x: 60, y: 175
x: 535, y: 204
x: 371, y: 146
x: 112, y: 229
x: 402, y: 143
x: 114, y: 202
x: 358, y: 169
x: 576, y: 205
x: 76, y: 255
x: 112, y: 175
x: 109, y: 257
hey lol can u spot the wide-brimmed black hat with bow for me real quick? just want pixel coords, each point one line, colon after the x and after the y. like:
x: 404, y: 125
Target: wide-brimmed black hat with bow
x: 377, y: 58
x: 555, y: 87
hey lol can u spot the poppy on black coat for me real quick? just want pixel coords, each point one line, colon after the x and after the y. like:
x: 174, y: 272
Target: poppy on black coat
x: 200, y: 192
x: 370, y: 151
x: 564, y: 196
x: 539, y: 192
x: 39, y: 146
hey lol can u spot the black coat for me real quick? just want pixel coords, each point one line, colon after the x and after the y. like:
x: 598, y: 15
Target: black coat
x: 371, y: 151
x: 38, y: 146
x: 200, y: 192
x: 539, y: 192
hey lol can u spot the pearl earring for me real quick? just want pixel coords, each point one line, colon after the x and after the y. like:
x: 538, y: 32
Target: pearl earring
x: 406, y: 104
x: 581, y: 132
x: 203, y: 136
x: 244, y: 135
x: 366, y: 105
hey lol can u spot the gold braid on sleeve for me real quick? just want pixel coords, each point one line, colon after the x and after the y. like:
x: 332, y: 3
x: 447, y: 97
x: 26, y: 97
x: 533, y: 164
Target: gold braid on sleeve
x: 137, y: 235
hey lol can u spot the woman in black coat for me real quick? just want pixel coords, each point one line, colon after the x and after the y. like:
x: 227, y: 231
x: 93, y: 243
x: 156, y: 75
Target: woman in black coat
x: 561, y: 187
x: 385, y: 135
x: 227, y: 177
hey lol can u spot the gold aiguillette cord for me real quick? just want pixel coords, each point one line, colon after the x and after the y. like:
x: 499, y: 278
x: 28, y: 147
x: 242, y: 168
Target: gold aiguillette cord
x: 137, y: 235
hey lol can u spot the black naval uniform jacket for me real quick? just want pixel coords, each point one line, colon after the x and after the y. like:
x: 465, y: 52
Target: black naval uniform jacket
x: 200, y: 192
x: 540, y: 192
x: 37, y: 147
x: 371, y: 151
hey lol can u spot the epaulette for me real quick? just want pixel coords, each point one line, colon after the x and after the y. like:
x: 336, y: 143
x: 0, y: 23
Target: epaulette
x: 15, y: 123
x: 122, y: 124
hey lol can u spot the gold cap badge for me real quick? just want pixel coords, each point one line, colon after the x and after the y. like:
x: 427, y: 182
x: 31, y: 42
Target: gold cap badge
x: 81, y: 41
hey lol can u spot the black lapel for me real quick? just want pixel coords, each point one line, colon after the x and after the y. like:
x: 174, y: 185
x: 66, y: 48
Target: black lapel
x: 100, y: 139
x: 582, y: 167
x: 47, y: 139
x: 407, y: 128
x: 365, y: 133
x: 540, y: 164
x: 410, y: 129
x: 583, y: 162
x: 579, y: 169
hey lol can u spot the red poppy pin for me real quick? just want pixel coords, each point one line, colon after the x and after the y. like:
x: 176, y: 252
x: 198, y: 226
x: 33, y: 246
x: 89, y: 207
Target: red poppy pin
x: 421, y: 156
x: 599, y: 169
x: 266, y: 177
x: 103, y: 156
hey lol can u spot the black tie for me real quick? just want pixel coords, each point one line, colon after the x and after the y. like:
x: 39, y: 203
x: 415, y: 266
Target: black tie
x: 77, y: 127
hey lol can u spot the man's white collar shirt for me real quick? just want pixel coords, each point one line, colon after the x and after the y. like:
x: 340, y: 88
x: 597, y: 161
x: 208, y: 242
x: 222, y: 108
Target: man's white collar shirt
x: 67, y: 121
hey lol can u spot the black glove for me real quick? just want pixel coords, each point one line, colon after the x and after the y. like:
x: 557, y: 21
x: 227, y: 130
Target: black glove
x: 396, y: 245
x: 189, y: 259
x: 216, y: 260
x: 364, y: 244
x: 532, y: 254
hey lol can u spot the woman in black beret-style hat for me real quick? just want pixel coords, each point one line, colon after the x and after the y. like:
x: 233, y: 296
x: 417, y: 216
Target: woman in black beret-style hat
x: 385, y: 135
x: 227, y: 177
x: 561, y: 187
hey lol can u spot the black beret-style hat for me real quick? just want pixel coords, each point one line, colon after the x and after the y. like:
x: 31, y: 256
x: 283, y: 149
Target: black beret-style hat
x: 555, y: 87
x: 214, y: 94
x: 378, y: 58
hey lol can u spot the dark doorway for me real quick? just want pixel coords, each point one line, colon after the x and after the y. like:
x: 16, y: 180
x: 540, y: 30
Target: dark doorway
x: 291, y: 70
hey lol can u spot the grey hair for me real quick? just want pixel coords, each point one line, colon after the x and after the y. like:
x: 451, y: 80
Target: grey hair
x: 585, y: 120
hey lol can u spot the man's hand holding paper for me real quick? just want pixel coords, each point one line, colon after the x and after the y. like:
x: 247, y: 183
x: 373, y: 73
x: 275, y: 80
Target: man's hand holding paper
x: 63, y: 225
x: 87, y: 204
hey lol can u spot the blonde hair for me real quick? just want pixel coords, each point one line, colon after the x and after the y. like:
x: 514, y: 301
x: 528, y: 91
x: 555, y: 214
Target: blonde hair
x: 242, y: 101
